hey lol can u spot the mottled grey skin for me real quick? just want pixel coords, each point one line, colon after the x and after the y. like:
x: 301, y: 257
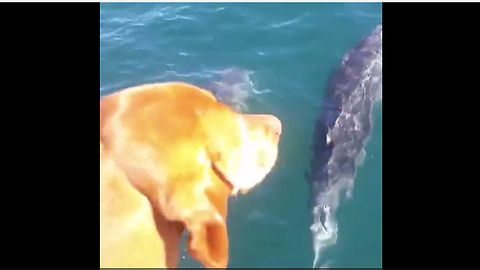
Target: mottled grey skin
x: 344, y: 125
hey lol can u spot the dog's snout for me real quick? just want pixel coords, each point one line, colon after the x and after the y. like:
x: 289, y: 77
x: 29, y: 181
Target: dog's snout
x: 275, y: 125
x: 270, y: 123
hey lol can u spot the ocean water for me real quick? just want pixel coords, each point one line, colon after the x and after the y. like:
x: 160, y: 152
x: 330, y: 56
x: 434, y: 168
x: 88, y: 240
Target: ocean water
x: 285, y: 52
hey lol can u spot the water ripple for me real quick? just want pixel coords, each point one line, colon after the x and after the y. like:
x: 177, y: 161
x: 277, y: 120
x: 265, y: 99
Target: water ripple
x: 293, y: 21
x: 367, y: 15
x: 179, y: 17
x: 123, y: 26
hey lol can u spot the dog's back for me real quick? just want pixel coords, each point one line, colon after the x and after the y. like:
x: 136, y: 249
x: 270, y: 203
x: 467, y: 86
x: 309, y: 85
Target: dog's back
x: 128, y: 233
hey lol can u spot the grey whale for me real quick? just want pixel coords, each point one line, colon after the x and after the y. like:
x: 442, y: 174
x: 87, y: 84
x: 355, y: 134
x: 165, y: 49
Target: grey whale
x: 341, y: 133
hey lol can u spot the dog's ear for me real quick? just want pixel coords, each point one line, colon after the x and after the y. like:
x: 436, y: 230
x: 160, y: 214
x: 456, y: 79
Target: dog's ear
x: 208, y: 236
x: 209, y: 244
x: 201, y: 205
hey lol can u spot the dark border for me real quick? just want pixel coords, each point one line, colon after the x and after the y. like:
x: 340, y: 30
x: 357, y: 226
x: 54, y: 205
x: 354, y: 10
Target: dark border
x: 428, y: 113
x: 50, y: 192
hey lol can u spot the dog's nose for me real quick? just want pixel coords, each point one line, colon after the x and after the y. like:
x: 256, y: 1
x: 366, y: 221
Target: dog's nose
x: 268, y: 121
x: 275, y: 124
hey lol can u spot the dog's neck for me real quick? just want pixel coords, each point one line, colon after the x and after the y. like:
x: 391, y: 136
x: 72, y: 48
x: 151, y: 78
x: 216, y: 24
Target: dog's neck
x: 218, y: 173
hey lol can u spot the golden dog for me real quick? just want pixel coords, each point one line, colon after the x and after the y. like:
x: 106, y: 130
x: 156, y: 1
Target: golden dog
x: 170, y: 155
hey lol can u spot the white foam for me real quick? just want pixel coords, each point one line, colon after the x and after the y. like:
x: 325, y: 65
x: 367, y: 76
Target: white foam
x: 322, y: 238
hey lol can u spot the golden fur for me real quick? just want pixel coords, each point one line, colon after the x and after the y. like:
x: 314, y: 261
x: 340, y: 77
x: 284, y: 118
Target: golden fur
x: 170, y: 155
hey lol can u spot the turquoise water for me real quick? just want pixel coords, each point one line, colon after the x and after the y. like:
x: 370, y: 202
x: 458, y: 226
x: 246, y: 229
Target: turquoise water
x: 291, y: 49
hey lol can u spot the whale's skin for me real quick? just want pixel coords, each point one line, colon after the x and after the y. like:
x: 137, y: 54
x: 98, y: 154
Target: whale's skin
x: 342, y: 130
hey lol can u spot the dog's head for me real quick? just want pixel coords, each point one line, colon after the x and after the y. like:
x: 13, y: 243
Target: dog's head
x: 187, y: 152
x: 246, y: 153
